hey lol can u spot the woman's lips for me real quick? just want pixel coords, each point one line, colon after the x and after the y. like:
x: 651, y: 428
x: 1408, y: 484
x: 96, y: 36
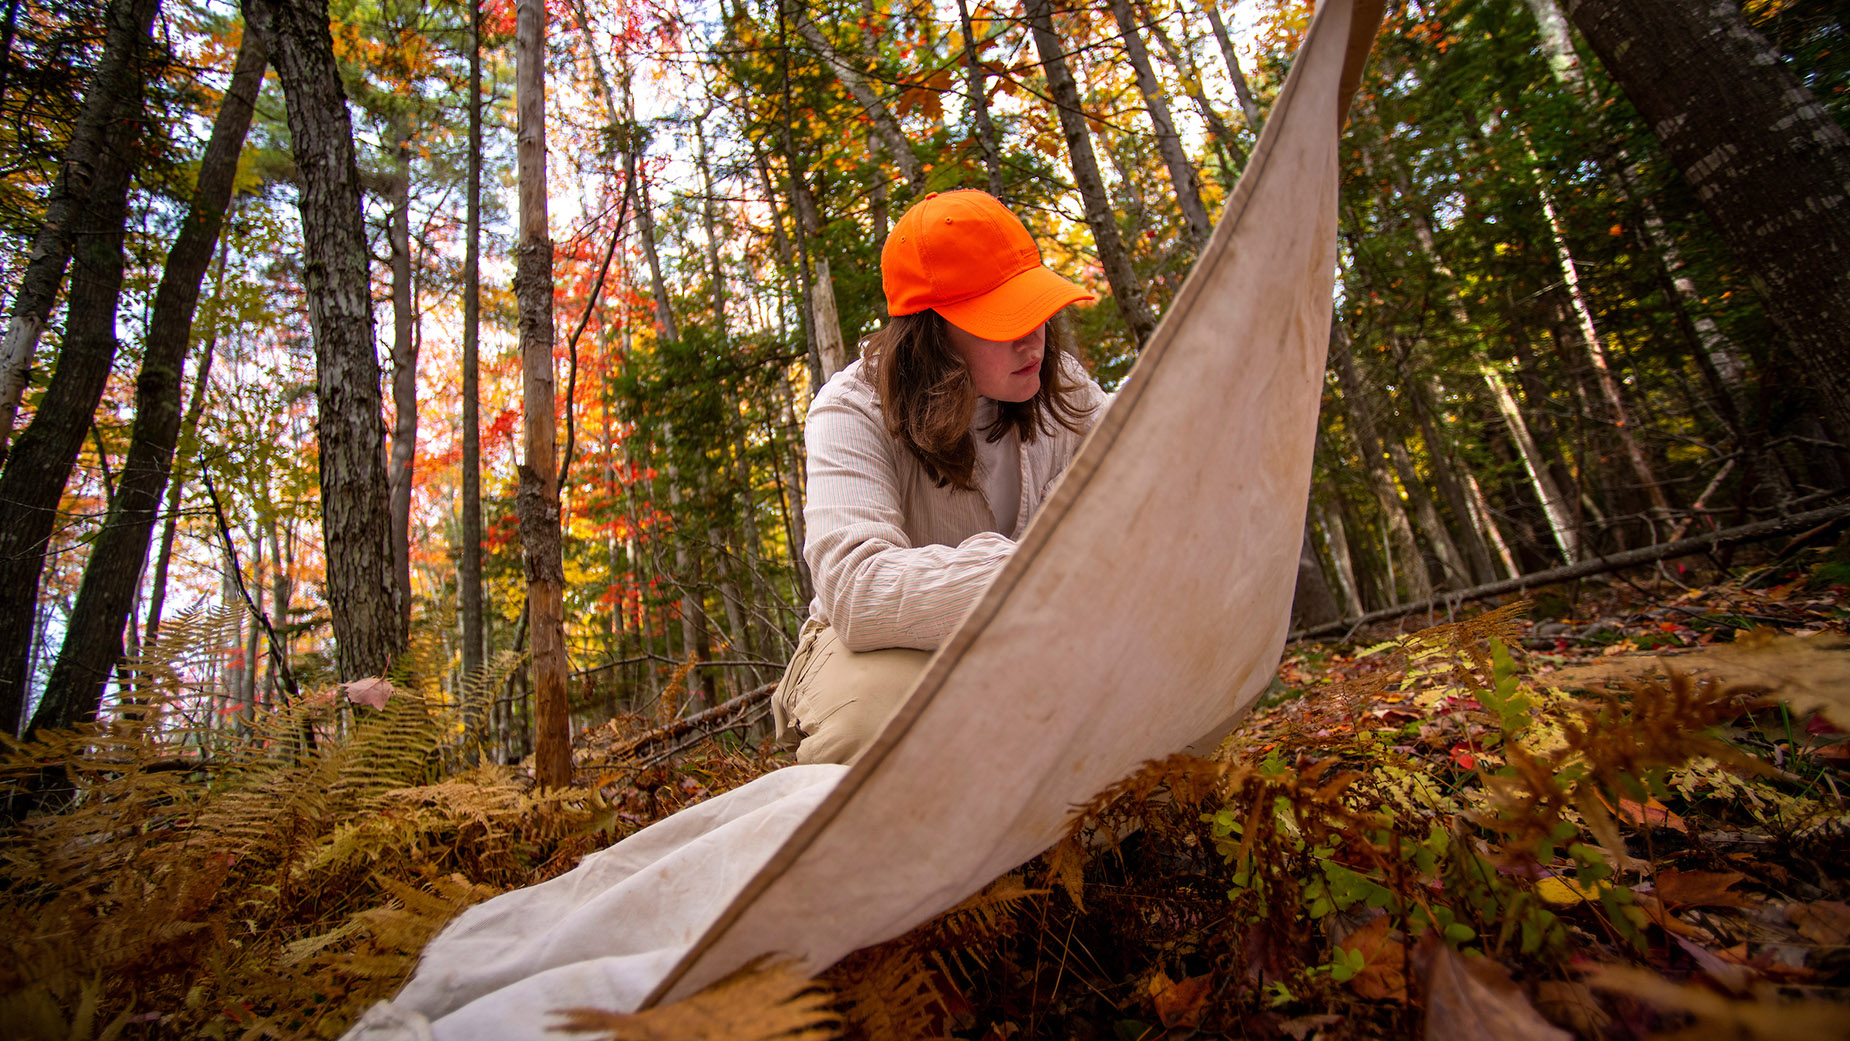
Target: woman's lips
x: 1031, y: 367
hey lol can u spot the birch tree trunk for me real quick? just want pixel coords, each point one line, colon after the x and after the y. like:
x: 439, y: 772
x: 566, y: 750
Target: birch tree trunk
x: 540, y: 539
x: 1139, y: 319
x: 105, y: 597
x: 1168, y: 142
x: 1554, y: 504
x: 1595, y: 346
x: 1765, y: 157
x: 355, y: 520
x: 1248, y: 105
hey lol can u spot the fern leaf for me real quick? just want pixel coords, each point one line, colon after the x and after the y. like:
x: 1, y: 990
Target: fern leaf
x: 757, y: 1003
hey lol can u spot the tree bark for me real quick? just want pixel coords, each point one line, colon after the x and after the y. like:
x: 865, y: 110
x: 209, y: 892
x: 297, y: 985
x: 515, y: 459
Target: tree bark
x: 41, y: 462
x: 884, y: 124
x: 1139, y: 319
x: 113, y: 96
x: 1248, y: 106
x: 1362, y: 427
x: 1767, y: 160
x: 105, y: 597
x: 1312, y: 603
x: 355, y: 520
x: 469, y: 568
x: 540, y: 535
x: 1168, y: 142
x: 1185, y: 63
x: 1554, y: 504
x: 979, y: 106
x: 195, y: 406
x: 404, y: 372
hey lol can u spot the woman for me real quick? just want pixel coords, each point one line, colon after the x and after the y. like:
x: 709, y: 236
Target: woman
x: 927, y: 458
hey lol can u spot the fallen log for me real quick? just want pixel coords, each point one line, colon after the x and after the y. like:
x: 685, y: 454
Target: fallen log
x: 1738, y: 535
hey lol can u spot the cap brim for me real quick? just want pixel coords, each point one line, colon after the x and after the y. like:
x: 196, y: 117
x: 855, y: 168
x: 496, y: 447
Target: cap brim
x: 1014, y: 308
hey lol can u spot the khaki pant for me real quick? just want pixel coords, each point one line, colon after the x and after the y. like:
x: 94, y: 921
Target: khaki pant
x: 833, y: 702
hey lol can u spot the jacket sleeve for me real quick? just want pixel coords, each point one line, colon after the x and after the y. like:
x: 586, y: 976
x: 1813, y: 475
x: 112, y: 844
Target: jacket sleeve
x: 874, y: 586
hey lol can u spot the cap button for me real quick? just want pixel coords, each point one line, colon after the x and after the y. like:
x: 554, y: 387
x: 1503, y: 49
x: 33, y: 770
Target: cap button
x: 932, y: 195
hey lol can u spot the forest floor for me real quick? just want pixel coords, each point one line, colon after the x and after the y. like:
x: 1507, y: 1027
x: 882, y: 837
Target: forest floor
x: 1615, y: 810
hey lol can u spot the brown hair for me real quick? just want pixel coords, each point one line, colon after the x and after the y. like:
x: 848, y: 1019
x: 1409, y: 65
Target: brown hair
x: 928, y: 402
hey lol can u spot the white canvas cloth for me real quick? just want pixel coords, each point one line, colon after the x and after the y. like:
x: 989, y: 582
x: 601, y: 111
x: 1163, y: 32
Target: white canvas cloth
x: 1176, y: 530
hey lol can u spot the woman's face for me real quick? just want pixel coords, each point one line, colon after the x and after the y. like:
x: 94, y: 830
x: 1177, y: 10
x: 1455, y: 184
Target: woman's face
x: 1002, y: 370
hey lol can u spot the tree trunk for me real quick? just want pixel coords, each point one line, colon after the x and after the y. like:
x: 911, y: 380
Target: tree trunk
x: 105, y: 598
x: 1720, y: 351
x: 113, y: 97
x: 1617, y: 414
x: 827, y: 321
x: 1248, y: 106
x: 979, y: 106
x: 1168, y: 142
x: 1139, y: 319
x: 469, y: 568
x: 404, y: 371
x: 1554, y: 505
x: 1312, y: 603
x: 1336, y: 538
x: 884, y: 124
x: 1767, y: 160
x: 540, y: 537
x: 195, y: 406
x: 41, y: 462
x: 355, y: 521
x: 1359, y: 409
x: 1184, y: 62
x: 1445, y: 474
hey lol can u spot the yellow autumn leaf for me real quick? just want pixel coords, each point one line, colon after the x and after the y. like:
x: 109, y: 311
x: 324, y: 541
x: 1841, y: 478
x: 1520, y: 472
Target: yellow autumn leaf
x: 1563, y: 890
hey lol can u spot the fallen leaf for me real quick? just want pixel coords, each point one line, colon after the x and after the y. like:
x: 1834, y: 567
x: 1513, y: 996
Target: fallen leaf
x: 1384, y: 962
x: 1179, y: 1003
x: 1698, y: 888
x: 1824, y: 922
x: 1652, y: 814
x: 1652, y: 910
x: 371, y: 691
x: 1475, y: 1000
x: 1562, y: 890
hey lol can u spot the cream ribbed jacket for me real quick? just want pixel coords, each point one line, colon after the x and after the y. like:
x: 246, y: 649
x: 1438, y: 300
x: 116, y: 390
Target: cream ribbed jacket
x: 898, y: 561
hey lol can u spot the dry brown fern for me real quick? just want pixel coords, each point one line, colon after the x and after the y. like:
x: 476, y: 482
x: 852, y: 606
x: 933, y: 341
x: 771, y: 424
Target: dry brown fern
x: 758, y: 1003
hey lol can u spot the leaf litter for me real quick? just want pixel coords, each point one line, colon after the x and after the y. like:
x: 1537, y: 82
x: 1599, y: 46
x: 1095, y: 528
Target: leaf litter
x: 1614, y: 813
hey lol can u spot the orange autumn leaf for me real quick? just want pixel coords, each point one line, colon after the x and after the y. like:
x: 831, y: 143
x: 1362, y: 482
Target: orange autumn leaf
x: 1179, y: 1003
x: 1384, y: 962
x: 1699, y: 888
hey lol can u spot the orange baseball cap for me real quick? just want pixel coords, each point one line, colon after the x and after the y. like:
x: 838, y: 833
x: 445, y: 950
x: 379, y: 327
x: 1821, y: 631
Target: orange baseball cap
x: 964, y: 255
